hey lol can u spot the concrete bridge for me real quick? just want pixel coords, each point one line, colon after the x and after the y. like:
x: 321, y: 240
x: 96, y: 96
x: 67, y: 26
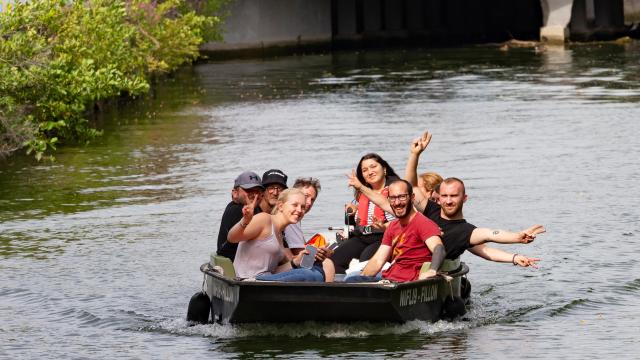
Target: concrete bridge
x: 582, y: 19
x: 256, y: 24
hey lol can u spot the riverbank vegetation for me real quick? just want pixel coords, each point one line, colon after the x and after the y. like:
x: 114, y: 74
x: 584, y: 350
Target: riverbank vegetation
x: 62, y: 59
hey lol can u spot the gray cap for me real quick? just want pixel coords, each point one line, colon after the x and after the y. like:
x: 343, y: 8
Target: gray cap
x: 248, y: 180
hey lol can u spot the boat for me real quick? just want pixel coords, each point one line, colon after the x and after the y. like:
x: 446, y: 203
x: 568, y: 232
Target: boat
x: 234, y: 300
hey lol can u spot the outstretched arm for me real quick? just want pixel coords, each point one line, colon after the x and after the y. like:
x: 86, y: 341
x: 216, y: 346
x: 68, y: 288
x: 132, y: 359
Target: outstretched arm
x: 497, y: 255
x: 378, y: 199
x: 484, y: 235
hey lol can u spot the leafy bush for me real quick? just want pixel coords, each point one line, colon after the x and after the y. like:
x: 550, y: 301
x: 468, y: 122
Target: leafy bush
x: 58, y: 58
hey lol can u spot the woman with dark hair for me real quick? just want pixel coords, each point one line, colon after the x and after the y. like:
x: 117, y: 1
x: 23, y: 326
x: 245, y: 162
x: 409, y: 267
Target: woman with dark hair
x: 374, y: 172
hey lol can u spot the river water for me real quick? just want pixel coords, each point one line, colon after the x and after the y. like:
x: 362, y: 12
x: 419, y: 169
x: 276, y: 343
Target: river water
x: 100, y: 250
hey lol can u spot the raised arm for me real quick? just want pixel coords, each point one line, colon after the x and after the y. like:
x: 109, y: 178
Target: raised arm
x: 417, y: 146
x: 247, y: 228
x: 415, y: 149
x: 497, y: 255
x: 484, y: 235
x: 375, y: 197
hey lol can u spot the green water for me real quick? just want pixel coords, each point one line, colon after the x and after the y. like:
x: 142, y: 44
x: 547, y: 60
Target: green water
x: 100, y: 249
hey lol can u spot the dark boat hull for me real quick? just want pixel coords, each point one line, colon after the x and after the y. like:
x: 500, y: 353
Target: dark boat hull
x: 259, y: 301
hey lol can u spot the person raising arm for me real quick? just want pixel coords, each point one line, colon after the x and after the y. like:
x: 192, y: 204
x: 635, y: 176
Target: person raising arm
x: 374, y: 175
x: 458, y: 234
x: 409, y: 242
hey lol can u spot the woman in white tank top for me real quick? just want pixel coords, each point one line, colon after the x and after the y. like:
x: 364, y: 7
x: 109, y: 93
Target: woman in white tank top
x: 259, y: 237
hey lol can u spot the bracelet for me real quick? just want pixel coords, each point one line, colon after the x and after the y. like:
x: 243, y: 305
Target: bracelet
x: 243, y: 224
x: 293, y: 265
x: 513, y: 260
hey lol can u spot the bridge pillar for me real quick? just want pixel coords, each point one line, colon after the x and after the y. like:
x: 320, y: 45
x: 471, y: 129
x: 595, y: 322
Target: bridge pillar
x: 556, y: 15
x: 609, y: 15
x: 582, y: 20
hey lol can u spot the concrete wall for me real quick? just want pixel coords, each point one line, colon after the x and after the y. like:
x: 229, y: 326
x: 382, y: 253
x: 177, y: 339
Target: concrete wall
x: 597, y: 20
x: 257, y: 24
x: 632, y: 11
x: 260, y: 24
x: 265, y: 23
x: 442, y: 22
x: 556, y: 15
x: 346, y: 19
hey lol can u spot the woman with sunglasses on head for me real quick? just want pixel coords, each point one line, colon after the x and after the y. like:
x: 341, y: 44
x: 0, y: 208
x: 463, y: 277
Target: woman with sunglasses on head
x: 374, y: 172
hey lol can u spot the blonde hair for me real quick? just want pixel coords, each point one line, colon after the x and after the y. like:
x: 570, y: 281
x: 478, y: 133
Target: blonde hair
x: 430, y: 181
x: 284, y: 197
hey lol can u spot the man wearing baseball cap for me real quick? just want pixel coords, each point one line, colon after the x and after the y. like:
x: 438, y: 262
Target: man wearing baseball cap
x: 247, y: 186
x: 274, y: 181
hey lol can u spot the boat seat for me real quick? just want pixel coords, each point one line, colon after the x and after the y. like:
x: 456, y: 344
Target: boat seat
x: 447, y: 265
x: 225, y: 263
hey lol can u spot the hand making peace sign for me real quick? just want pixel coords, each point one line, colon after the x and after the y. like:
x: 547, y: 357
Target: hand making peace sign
x: 248, y: 210
x: 528, y: 235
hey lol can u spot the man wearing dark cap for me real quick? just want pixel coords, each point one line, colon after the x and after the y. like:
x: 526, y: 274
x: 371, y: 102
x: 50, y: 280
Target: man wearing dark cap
x: 274, y: 181
x: 246, y: 186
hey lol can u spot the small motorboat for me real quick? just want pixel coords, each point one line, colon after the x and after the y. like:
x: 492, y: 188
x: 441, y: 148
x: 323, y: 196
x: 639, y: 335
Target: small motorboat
x: 234, y: 300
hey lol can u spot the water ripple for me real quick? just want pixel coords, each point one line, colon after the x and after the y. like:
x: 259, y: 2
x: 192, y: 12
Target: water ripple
x: 99, y: 251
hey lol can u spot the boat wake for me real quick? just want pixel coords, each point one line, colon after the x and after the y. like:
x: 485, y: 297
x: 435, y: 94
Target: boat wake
x: 481, y: 313
x: 305, y: 329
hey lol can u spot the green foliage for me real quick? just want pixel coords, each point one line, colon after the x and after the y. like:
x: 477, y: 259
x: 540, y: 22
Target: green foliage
x: 59, y: 57
x: 216, y: 10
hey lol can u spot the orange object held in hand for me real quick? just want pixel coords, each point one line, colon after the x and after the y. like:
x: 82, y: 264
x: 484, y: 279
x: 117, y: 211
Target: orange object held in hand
x: 317, y: 240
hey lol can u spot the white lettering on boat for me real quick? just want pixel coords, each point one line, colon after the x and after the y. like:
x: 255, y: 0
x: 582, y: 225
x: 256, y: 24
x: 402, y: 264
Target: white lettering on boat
x: 417, y: 295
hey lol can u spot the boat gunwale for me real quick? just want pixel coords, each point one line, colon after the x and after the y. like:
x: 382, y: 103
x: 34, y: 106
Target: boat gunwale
x: 206, y: 268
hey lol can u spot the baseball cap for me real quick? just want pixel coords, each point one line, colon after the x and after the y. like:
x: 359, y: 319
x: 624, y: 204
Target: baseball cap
x: 248, y: 180
x: 274, y: 176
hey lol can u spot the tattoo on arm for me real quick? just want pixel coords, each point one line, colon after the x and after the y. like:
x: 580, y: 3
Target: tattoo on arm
x: 438, y: 256
x: 496, y: 232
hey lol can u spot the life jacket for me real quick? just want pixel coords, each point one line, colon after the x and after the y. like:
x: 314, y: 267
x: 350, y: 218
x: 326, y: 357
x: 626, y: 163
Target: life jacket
x: 363, y: 208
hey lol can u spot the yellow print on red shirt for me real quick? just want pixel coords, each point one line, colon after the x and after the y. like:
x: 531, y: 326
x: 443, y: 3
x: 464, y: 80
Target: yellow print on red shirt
x: 395, y: 243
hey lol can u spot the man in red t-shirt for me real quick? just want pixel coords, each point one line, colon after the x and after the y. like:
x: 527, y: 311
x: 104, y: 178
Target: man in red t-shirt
x: 408, y: 242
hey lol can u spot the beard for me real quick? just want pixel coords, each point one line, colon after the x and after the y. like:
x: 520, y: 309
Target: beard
x: 401, y: 212
x: 452, y: 212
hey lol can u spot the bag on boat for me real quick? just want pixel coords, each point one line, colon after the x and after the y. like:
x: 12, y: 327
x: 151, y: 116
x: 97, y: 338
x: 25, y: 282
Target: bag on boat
x: 318, y: 240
